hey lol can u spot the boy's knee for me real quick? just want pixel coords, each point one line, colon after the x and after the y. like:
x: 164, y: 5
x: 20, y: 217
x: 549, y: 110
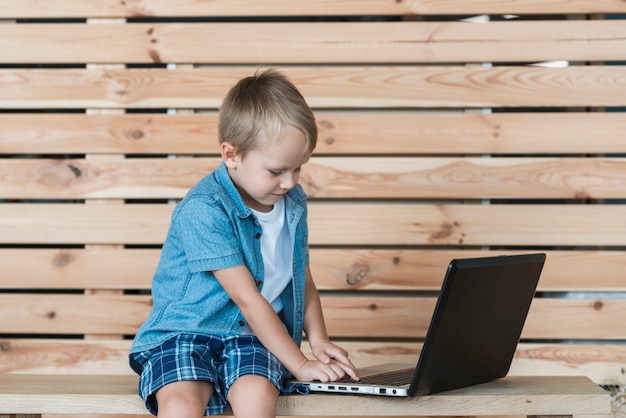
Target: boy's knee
x: 252, y: 391
x: 184, y: 399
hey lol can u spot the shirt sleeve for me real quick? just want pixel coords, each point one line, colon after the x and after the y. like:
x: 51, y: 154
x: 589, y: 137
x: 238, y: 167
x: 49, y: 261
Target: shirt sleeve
x: 209, y: 237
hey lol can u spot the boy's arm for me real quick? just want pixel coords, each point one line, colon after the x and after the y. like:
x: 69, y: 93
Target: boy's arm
x: 240, y: 286
x: 314, y: 325
x: 315, y: 329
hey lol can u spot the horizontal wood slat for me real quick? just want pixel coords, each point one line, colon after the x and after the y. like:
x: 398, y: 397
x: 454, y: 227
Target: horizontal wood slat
x: 64, y: 356
x: 333, y: 269
x: 360, y: 224
x: 340, y: 133
x: 71, y: 133
x: 410, y: 316
x: 102, y: 178
x: 73, y: 314
x: 347, y: 316
x: 601, y: 362
x: 525, y: 225
x: 84, y: 224
x: 421, y: 269
x: 328, y: 177
x: 467, y: 178
x: 183, y: 8
x: 77, y: 268
x: 316, y: 42
x: 324, y: 87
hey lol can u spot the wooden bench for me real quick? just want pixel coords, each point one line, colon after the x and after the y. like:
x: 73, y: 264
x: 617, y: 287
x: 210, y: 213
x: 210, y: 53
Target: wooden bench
x: 439, y: 138
x: 514, y: 395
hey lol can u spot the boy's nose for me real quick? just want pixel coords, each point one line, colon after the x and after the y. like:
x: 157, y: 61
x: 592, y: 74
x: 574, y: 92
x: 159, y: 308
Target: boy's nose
x: 288, y: 181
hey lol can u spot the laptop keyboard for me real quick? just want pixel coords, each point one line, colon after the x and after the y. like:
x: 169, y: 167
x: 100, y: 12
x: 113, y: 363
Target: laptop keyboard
x: 393, y: 378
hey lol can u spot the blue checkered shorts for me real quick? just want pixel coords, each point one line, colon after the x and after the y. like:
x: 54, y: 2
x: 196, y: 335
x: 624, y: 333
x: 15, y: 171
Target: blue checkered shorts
x: 220, y: 360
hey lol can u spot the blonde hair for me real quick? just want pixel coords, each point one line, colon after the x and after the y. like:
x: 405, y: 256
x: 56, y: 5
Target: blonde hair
x: 259, y: 107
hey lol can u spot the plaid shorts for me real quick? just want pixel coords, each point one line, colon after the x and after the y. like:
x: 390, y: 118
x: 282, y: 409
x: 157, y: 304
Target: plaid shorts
x: 220, y: 360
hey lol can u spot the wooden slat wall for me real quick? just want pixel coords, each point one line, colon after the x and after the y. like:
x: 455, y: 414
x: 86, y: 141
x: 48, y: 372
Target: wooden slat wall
x: 439, y: 138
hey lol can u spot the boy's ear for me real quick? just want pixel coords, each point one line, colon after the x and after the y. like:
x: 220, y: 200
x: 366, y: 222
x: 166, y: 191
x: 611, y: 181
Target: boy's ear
x: 229, y: 154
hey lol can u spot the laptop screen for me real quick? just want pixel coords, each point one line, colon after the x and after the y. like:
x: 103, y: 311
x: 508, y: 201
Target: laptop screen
x: 477, y: 322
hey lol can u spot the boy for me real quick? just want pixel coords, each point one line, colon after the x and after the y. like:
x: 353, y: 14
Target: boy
x: 233, y: 291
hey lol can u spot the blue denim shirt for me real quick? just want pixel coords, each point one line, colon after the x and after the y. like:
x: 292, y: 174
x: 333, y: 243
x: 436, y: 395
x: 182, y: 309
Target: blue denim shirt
x: 211, y: 229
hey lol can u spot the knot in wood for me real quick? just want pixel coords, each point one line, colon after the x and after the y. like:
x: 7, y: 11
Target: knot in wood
x: 62, y: 259
x: 75, y: 170
x: 155, y: 56
x: 326, y: 124
x: 446, y: 230
x: 136, y: 134
x: 4, y: 346
x: 356, y: 274
x: 58, y: 174
x: 582, y: 194
x: 598, y: 305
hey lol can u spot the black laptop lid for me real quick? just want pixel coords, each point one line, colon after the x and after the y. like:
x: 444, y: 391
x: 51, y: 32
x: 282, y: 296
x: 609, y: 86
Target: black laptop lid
x: 477, y: 322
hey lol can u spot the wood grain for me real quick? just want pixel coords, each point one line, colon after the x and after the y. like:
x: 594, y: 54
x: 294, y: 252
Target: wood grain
x: 313, y: 43
x: 117, y: 395
x: 408, y: 317
x: 324, y: 87
x: 422, y: 224
x: 328, y: 177
x: 162, y: 8
x: 359, y: 223
x: 600, y: 362
x: 378, y: 132
x: 72, y: 133
x: 354, y: 269
x: 403, y: 317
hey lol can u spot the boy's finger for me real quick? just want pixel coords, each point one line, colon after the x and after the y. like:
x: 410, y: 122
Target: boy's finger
x: 353, y: 373
x: 324, y: 358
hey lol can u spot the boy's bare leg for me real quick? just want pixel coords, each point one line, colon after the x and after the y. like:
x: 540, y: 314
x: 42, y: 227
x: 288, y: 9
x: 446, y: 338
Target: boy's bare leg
x: 184, y: 399
x: 253, y: 396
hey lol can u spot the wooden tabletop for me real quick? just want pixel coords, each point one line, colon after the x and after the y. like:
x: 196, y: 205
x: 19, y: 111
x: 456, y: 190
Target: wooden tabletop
x: 513, y: 395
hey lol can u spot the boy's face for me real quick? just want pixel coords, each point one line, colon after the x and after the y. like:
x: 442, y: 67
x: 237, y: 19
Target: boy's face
x: 265, y: 174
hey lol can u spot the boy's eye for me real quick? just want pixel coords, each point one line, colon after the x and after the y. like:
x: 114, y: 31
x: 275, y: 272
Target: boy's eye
x: 280, y: 172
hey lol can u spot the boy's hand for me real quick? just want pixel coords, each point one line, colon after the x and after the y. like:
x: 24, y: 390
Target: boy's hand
x: 324, y: 372
x: 332, y: 363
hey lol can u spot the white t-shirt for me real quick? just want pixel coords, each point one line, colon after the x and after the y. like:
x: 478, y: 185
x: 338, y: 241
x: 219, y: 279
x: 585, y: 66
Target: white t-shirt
x: 277, y: 253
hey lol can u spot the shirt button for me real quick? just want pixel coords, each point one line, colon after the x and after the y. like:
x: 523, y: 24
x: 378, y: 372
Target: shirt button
x: 259, y: 282
x: 258, y: 235
x: 242, y: 323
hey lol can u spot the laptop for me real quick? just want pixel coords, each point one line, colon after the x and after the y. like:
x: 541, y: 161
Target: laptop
x: 472, y: 336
